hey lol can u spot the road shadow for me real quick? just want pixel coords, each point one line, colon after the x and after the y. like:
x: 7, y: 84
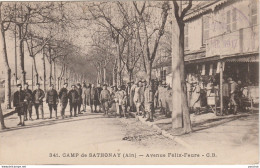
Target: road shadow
x: 212, y: 122
x: 48, y: 122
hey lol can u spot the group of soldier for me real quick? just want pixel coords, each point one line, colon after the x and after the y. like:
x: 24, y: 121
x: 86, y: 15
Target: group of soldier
x: 136, y: 97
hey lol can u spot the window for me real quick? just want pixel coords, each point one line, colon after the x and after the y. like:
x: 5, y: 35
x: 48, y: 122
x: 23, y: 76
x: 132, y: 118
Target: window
x: 186, y: 41
x: 228, y: 21
x: 234, y: 19
x: 205, y: 27
x: 253, y: 12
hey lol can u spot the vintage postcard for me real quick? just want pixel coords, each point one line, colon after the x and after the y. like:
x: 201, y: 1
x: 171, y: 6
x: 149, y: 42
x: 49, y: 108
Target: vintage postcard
x: 129, y: 82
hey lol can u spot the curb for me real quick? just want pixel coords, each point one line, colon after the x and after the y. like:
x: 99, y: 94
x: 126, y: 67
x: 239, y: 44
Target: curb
x: 161, y: 131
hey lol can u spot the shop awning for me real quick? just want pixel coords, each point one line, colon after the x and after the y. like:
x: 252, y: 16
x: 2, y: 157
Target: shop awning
x: 242, y: 58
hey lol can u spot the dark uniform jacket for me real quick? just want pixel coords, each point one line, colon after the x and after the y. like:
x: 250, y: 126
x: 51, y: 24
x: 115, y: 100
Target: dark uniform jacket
x: 94, y: 94
x: 79, y: 90
x: 19, y: 97
x: 52, y: 96
x: 38, y: 96
x: 28, y: 95
x: 73, y: 96
x: 63, y: 95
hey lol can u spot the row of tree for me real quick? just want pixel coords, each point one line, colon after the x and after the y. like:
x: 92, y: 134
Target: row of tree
x: 116, y: 39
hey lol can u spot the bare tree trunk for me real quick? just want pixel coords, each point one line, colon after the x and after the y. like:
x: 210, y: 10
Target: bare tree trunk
x: 150, y: 66
x: 6, y: 66
x: 115, y: 73
x: 21, y: 55
x: 50, y: 77
x: 2, y: 118
x: 180, y: 112
x: 130, y: 73
x: 55, y: 77
x: 44, y: 71
x: 35, y: 70
x: 119, y: 65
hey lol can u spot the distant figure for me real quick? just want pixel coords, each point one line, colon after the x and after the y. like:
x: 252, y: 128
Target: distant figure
x: 120, y: 99
x: 52, y: 99
x: 99, y: 89
x: 138, y: 97
x: 38, y: 96
x: 225, y: 94
x: 104, y: 99
x: 18, y: 102
x: 233, y: 89
x: 93, y: 98
x: 195, y: 98
x: 86, y: 96
x: 28, y: 102
x: 79, y: 103
x: 73, y: 99
x: 63, y: 95
x: 132, y: 94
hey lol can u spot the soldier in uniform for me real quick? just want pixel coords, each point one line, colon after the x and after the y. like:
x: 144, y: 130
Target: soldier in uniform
x: 93, y: 98
x: 99, y: 89
x: 73, y: 99
x: 52, y: 100
x: 63, y: 95
x: 233, y: 92
x: 28, y: 102
x: 79, y: 90
x: 137, y: 97
x: 104, y: 99
x: 121, y: 101
x: 18, y: 102
x: 38, y: 96
x: 85, y: 92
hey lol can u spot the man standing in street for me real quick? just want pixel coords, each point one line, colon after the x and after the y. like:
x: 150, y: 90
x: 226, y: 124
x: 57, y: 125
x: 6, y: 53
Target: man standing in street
x: 225, y: 94
x: 120, y: 101
x: 84, y: 96
x: 79, y: 90
x: 18, y: 102
x: 28, y: 102
x: 38, y: 96
x: 93, y: 98
x: 99, y: 89
x: 63, y: 95
x: 233, y: 89
x: 73, y: 99
x: 52, y: 100
x: 104, y: 99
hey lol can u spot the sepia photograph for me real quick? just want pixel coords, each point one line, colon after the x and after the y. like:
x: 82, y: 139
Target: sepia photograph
x: 129, y: 82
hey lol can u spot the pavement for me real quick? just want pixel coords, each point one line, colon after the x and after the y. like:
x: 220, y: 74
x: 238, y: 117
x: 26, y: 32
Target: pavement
x: 53, y: 141
x: 235, y: 134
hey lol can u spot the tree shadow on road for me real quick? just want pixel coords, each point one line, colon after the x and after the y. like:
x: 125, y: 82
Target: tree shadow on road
x: 54, y: 122
x: 210, y: 123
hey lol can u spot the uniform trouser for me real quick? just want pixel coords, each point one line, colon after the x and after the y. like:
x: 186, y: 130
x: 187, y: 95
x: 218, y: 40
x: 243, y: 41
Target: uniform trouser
x: 233, y: 102
x: 104, y: 105
x: 120, y: 109
x: 150, y: 109
x: 53, y: 106
x: 37, y: 107
x: 225, y: 103
x: 79, y: 106
x: 84, y: 105
x: 63, y: 107
x: 28, y: 108
x: 73, y: 106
